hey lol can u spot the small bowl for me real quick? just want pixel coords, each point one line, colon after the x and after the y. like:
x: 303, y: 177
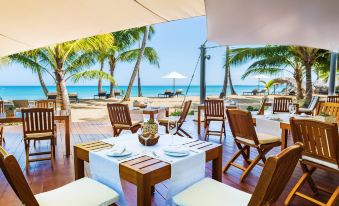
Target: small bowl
x: 151, y: 141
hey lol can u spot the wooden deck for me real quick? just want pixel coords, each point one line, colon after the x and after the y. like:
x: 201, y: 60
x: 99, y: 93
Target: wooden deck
x: 42, y: 178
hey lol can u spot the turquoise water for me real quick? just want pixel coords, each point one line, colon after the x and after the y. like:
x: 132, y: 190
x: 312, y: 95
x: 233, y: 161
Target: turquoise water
x: 85, y: 92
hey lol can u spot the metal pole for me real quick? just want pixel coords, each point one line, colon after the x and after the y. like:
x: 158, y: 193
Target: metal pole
x: 202, y: 73
x: 333, y: 71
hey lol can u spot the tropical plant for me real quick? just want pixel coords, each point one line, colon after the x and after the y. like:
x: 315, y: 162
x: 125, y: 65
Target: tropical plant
x: 227, y: 76
x: 138, y: 55
x: 67, y: 61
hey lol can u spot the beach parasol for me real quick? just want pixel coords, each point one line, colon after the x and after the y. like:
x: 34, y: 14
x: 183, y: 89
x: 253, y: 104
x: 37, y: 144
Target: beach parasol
x: 260, y: 76
x: 174, y: 75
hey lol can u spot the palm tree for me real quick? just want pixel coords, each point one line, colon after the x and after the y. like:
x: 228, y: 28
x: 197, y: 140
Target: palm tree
x: 138, y: 55
x: 227, y: 76
x: 68, y: 61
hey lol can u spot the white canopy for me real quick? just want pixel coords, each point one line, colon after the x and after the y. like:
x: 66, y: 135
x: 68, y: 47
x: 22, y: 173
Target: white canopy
x: 311, y: 23
x: 260, y: 76
x: 174, y: 75
x: 30, y: 24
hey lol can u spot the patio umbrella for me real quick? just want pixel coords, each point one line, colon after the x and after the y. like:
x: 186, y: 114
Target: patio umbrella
x: 259, y: 77
x: 174, y: 75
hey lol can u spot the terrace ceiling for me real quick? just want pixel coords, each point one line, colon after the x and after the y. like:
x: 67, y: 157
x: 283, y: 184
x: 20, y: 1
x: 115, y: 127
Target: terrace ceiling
x: 30, y: 24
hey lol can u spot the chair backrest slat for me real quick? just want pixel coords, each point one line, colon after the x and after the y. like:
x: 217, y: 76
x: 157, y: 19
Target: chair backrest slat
x: 16, y: 178
x: 320, y: 139
x: 37, y: 120
x: 334, y: 99
x: 119, y: 114
x: 241, y: 124
x: 214, y: 108
x: 261, y: 110
x: 280, y: 104
x: 2, y: 108
x: 330, y: 108
x: 49, y: 103
x: 275, y: 176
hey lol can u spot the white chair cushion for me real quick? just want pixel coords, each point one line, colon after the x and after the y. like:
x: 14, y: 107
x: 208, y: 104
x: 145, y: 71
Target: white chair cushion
x: 84, y: 192
x: 39, y: 135
x: 211, y: 192
x: 166, y: 119
x: 304, y: 110
x: 321, y: 162
x: 262, y: 137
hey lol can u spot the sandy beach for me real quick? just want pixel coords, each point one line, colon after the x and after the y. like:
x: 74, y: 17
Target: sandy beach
x: 95, y: 110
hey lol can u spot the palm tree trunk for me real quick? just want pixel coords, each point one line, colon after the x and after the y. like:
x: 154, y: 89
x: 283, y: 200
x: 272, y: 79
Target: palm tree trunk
x: 298, y: 79
x: 308, y: 74
x: 223, y: 92
x: 100, y: 79
x: 62, y: 89
x: 137, y: 65
x: 139, y: 85
x: 231, y: 84
x: 42, y: 83
x: 111, y: 70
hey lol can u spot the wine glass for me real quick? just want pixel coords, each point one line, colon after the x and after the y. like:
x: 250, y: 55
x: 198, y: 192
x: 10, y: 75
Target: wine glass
x: 172, y: 128
x: 292, y: 109
x: 150, y: 101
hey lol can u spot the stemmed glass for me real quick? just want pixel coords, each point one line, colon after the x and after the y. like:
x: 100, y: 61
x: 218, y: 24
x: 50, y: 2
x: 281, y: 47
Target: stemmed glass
x: 145, y: 138
x: 172, y: 128
x: 292, y: 109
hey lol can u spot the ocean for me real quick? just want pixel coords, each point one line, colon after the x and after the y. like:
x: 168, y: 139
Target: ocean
x: 87, y: 92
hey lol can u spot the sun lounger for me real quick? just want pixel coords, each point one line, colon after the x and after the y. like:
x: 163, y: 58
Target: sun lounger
x: 73, y: 97
x: 166, y: 94
x: 51, y: 95
x: 253, y: 92
x: 101, y: 95
x: 117, y: 93
x: 178, y: 92
x: 20, y: 104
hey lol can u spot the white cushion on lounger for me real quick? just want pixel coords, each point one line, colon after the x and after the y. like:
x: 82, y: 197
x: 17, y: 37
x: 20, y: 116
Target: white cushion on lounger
x: 211, y: 192
x: 84, y: 192
x: 321, y: 162
x: 39, y: 135
x: 262, y: 137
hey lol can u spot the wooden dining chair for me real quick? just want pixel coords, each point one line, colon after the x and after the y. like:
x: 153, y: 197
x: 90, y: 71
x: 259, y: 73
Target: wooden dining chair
x: 2, y: 110
x: 165, y: 120
x: 321, y: 151
x: 84, y: 191
x: 274, y: 178
x: 334, y: 98
x: 245, y: 137
x: 280, y: 104
x: 120, y: 118
x: 311, y: 107
x: 329, y: 108
x: 214, y: 112
x: 261, y: 110
x: 38, y: 124
x: 46, y: 103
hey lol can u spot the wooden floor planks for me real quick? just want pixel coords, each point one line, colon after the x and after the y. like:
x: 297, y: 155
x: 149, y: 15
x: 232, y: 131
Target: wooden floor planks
x: 43, y: 178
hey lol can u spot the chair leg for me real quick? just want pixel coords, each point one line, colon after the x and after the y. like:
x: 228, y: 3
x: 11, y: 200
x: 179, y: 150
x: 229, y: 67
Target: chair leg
x: 224, y: 128
x: 249, y: 168
x: 229, y: 163
x: 207, y: 125
x: 52, y: 152
x: 333, y: 199
x: 188, y: 135
x: 27, y: 153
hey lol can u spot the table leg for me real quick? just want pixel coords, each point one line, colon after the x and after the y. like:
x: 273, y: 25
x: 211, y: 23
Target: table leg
x: 144, y: 190
x: 67, y: 137
x: 217, y: 166
x: 199, y: 120
x: 284, y: 136
x: 151, y: 115
x: 79, y: 170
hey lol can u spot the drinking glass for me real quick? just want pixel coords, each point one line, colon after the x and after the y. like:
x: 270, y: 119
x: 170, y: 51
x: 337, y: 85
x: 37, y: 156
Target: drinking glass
x: 172, y: 128
x: 145, y: 138
x: 292, y: 109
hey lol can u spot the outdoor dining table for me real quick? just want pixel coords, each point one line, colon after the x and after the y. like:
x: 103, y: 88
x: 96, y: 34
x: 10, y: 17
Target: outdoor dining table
x: 152, y: 111
x: 59, y: 115
x: 146, y: 171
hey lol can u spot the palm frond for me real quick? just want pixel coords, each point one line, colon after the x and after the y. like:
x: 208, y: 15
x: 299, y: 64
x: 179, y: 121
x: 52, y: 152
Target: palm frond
x: 92, y: 74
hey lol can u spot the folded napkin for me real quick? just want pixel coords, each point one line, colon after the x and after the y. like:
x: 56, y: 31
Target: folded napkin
x: 274, y: 118
x: 177, y: 149
x: 117, y: 150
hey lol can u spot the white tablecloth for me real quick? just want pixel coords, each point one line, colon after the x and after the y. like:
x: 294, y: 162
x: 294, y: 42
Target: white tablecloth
x: 185, y: 171
x: 265, y: 124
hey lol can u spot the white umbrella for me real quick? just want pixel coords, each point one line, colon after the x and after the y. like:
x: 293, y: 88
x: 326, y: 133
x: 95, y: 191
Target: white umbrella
x: 260, y: 76
x: 174, y: 75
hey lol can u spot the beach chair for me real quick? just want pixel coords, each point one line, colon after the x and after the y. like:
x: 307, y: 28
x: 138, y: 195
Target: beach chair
x: 214, y: 112
x: 333, y: 98
x: 2, y: 110
x: 101, y: 95
x: 51, y: 95
x: 84, y: 191
x: 46, y: 104
x: 73, y: 97
x: 328, y: 108
x: 178, y: 93
x: 117, y: 93
x: 166, y: 94
x: 19, y: 104
x: 38, y: 124
x: 311, y: 107
x: 272, y: 182
x: 280, y: 104
x: 321, y: 151
x: 120, y: 118
x: 165, y: 121
x: 253, y: 92
x: 246, y: 137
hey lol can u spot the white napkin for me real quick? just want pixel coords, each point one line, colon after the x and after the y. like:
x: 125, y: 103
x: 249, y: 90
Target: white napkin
x: 178, y: 149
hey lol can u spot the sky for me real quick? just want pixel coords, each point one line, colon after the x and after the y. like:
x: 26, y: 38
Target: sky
x: 177, y: 44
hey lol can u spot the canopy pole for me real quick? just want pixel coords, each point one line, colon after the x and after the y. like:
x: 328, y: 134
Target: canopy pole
x: 202, y: 74
x: 333, y: 71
